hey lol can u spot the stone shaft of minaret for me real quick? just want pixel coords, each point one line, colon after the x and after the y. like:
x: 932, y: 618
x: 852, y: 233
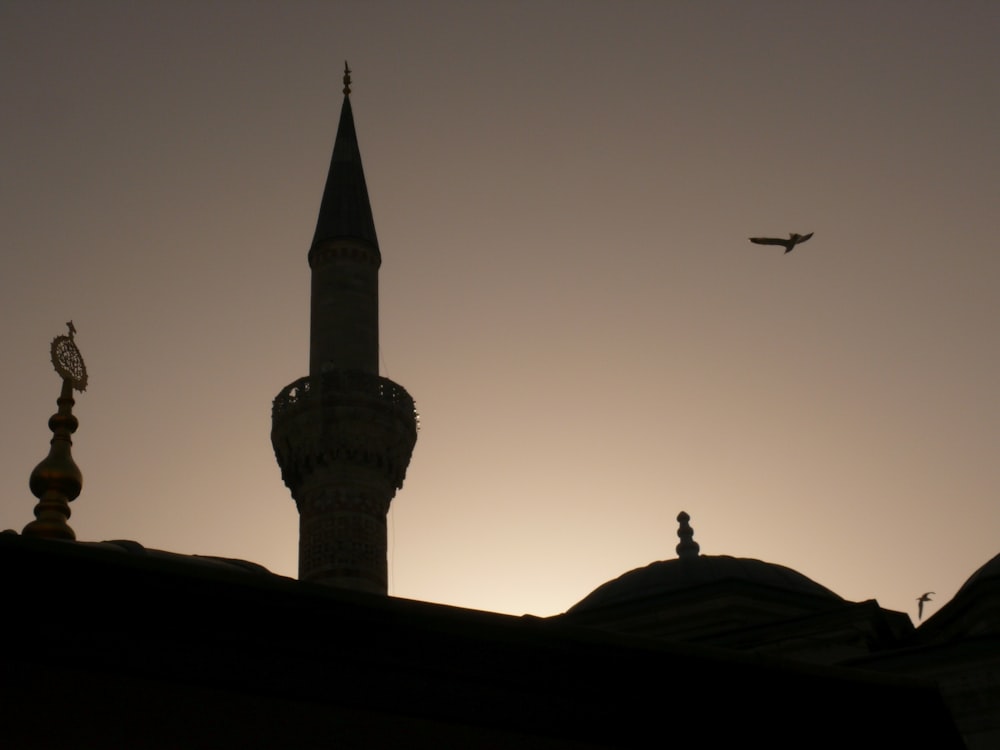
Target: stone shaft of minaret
x: 344, y: 306
x: 343, y: 436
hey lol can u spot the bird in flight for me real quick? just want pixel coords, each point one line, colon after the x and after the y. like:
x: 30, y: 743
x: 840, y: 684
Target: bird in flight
x: 792, y: 241
x: 925, y: 597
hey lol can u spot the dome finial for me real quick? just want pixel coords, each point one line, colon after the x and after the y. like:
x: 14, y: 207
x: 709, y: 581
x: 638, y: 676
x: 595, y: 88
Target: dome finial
x: 347, y: 79
x: 57, y: 480
x: 688, y: 547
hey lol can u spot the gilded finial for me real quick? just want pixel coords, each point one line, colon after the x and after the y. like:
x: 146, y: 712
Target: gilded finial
x: 687, y: 548
x: 57, y: 480
x: 347, y: 79
x: 68, y: 361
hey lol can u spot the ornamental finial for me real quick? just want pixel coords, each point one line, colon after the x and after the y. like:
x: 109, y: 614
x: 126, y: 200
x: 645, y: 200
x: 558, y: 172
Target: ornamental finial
x: 687, y: 548
x: 57, y: 480
x: 347, y: 79
x: 68, y: 361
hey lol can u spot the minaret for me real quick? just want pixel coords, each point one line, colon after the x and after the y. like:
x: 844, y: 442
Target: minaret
x: 343, y: 436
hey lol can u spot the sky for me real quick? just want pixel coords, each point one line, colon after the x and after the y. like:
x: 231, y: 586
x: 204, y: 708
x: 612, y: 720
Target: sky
x: 563, y: 194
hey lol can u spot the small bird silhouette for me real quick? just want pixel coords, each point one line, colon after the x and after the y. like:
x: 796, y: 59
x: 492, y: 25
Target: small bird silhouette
x: 792, y: 241
x: 925, y: 597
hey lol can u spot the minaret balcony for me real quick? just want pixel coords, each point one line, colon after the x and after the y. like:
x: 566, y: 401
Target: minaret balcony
x: 343, y: 417
x: 349, y: 383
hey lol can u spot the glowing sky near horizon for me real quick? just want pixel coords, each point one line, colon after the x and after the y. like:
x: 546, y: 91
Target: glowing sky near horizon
x: 563, y: 194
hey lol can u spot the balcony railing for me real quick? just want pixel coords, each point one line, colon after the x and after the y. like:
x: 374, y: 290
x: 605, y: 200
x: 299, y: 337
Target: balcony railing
x: 351, y: 384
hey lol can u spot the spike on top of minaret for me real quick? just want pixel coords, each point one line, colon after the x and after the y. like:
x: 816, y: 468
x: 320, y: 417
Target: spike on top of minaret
x: 688, y: 548
x: 347, y: 79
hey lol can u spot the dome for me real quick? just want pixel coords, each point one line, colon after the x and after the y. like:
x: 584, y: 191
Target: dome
x: 691, y: 570
x: 990, y: 570
x: 673, y: 576
x: 974, y: 611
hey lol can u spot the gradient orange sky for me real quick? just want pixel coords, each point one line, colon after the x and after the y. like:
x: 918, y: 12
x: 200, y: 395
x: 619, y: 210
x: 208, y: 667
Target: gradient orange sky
x: 563, y: 194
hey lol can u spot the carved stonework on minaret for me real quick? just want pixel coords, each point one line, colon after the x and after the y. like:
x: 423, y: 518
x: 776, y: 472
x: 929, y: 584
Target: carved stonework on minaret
x: 57, y: 480
x: 343, y: 436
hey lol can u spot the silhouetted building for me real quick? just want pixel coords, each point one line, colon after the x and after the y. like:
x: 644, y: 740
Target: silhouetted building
x: 119, y: 646
x: 959, y: 649
x: 750, y: 606
x: 113, y: 645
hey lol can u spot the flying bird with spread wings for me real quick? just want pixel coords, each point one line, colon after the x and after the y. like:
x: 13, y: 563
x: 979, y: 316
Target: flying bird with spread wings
x: 793, y: 240
x: 925, y: 597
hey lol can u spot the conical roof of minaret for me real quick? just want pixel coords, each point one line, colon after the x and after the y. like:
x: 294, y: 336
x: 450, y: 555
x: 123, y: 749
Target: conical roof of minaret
x: 346, y: 211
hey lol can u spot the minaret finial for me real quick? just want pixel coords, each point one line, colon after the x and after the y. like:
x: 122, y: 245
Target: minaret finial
x: 347, y: 79
x: 57, y: 480
x: 687, y: 548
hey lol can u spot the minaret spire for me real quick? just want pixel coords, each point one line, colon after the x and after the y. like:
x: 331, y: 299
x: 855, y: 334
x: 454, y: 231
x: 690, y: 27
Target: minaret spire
x: 345, y: 210
x: 345, y: 310
x: 343, y: 436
